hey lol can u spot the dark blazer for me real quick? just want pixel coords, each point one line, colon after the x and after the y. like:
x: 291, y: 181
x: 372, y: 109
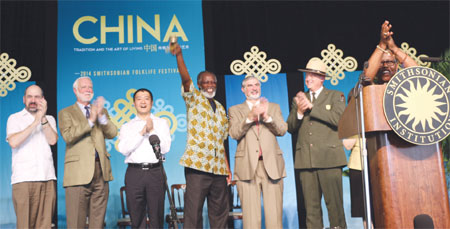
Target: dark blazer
x: 81, y: 143
x: 318, y: 145
x: 249, y: 142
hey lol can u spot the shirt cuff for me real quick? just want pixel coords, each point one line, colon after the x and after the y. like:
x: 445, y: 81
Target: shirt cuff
x: 103, y: 120
x: 299, y: 116
x: 91, y: 124
x: 248, y: 121
x: 269, y: 120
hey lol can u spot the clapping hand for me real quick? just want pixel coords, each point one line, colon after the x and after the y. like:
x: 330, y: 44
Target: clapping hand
x: 148, y: 125
x: 100, y: 102
x: 386, y: 36
x: 259, y: 111
x: 303, y: 104
x: 41, y: 110
x: 264, y: 106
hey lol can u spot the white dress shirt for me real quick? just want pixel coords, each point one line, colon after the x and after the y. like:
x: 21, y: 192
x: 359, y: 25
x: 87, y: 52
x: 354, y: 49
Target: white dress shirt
x: 33, y: 159
x: 135, y: 147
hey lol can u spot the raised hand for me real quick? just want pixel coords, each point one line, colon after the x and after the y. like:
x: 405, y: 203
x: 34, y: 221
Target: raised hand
x: 386, y: 35
x: 264, y: 106
x: 100, y: 102
x: 254, y: 113
x: 303, y: 104
x: 148, y: 125
x: 41, y: 110
x: 176, y: 49
x: 93, y: 113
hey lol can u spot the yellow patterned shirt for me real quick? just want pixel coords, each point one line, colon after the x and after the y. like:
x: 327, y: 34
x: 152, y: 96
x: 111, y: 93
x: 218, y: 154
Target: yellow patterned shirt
x: 206, y: 132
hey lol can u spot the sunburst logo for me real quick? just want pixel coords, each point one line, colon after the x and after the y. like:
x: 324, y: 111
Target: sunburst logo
x: 416, y: 105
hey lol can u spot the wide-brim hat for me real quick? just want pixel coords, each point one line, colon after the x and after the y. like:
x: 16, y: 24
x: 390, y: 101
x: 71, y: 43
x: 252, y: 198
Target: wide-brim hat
x: 315, y: 65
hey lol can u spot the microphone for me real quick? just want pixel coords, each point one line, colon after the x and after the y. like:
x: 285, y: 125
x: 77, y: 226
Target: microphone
x: 362, y: 81
x: 423, y: 221
x: 430, y: 59
x: 154, y: 141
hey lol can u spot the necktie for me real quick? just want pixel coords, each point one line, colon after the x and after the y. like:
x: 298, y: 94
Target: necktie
x: 313, y: 97
x: 88, y: 114
x: 260, y: 150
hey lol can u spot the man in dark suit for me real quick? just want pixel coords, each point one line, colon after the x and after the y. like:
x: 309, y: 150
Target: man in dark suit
x: 259, y: 166
x: 87, y: 169
x: 319, y: 154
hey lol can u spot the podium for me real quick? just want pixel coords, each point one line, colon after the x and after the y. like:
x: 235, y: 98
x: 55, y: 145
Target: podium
x: 408, y: 184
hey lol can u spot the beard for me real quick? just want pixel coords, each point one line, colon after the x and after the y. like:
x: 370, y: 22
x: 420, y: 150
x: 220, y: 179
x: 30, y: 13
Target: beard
x: 31, y: 109
x: 207, y: 94
x: 254, y: 96
x: 85, y: 97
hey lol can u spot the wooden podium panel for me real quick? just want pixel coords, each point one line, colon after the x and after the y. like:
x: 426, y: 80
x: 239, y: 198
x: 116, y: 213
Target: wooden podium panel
x: 374, y: 118
x: 406, y: 180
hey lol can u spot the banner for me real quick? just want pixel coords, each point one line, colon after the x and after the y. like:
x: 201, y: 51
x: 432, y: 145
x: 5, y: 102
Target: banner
x: 121, y: 46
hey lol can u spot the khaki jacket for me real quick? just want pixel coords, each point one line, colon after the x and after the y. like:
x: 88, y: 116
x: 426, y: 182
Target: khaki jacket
x: 251, y: 138
x: 318, y: 145
x: 81, y: 143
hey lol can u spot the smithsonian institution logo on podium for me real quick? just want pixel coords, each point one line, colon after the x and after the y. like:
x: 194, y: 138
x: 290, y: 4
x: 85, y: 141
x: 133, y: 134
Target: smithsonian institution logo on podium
x: 416, y: 105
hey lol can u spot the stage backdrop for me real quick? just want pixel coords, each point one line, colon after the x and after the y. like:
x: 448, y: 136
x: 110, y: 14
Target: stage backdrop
x: 122, y: 47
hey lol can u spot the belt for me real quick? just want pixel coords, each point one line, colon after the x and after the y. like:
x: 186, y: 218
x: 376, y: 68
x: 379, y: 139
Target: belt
x: 143, y: 166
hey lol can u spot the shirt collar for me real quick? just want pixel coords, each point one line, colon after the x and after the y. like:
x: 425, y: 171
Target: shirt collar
x: 139, y: 119
x: 250, y: 105
x: 24, y: 112
x: 316, y: 92
x: 82, y: 106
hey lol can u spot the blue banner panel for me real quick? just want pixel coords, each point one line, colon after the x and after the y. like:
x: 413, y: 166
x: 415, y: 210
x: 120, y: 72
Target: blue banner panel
x: 122, y: 46
x: 275, y: 90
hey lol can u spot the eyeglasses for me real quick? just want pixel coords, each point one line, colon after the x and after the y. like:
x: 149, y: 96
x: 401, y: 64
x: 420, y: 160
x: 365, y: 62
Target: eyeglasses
x: 388, y: 62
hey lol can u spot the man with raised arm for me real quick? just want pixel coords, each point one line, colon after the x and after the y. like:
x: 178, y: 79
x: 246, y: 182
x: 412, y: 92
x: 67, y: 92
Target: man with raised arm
x: 206, y: 166
x: 385, y: 59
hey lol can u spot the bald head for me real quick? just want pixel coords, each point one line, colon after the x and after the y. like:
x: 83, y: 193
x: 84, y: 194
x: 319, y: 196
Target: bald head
x: 34, y: 87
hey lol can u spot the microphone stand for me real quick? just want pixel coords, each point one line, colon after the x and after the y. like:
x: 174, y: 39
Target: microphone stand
x: 363, y: 149
x: 173, y: 219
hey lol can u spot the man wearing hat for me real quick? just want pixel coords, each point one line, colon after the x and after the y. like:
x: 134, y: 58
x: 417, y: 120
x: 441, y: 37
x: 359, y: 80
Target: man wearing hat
x: 319, y: 155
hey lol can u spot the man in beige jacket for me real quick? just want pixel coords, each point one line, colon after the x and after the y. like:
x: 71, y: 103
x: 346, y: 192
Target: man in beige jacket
x: 87, y: 169
x: 259, y: 166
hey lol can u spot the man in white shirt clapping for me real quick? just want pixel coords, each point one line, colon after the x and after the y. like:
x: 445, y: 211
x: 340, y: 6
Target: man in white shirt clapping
x: 30, y: 133
x: 144, y: 182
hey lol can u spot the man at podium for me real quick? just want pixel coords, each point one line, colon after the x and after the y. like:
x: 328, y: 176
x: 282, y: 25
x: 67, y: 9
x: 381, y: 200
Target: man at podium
x: 385, y: 59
